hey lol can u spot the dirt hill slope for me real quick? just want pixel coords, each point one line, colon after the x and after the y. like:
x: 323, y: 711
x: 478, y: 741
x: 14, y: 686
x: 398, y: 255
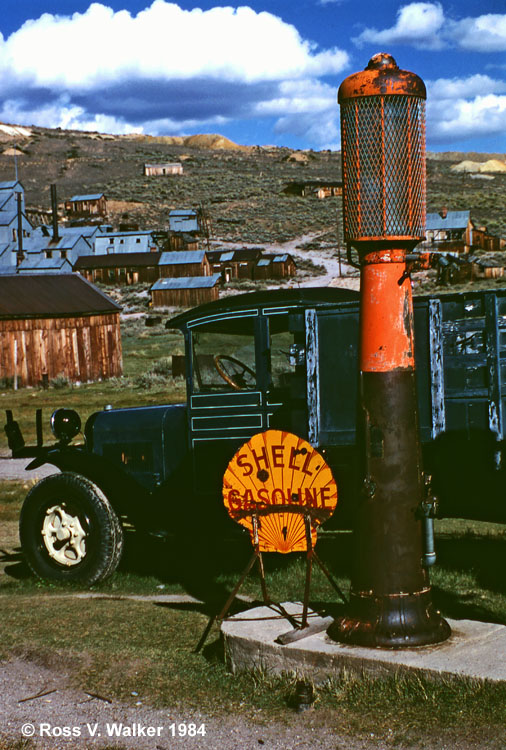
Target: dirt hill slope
x: 241, y: 187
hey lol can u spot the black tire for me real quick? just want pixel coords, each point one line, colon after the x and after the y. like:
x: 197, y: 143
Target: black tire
x: 69, y: 530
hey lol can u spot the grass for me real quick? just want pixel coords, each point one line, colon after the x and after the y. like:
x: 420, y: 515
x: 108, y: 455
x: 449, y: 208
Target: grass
x: 117, y: 646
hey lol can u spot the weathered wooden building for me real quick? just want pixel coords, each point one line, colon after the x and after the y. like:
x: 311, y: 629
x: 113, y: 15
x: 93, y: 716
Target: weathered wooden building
x: 318, y: 188
x: 486, y: 268
x: 181, y: 241
x: 57, y: 324
x: 235, y: 264
x: 119, y: 268
x: 87, y: 205
x: 184, y: 220
x: 160, y: 170
x: 449, y: 231
x: 251, y: 263
x: 186, y: 291
x: 278, y: 266
x: 184, y: 263
x: 486, y: 241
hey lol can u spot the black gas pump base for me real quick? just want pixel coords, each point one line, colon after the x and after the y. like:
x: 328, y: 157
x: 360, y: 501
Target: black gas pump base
x: 393, y: 621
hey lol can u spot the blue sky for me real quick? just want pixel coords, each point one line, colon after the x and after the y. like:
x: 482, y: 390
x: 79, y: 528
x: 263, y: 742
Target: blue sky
x: 258, y: 72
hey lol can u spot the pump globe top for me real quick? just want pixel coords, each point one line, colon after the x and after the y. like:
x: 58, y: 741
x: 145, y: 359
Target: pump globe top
x: 381, y: 77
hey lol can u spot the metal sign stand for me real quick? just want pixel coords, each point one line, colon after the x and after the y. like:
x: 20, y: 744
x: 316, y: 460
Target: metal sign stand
x: 301, y: 629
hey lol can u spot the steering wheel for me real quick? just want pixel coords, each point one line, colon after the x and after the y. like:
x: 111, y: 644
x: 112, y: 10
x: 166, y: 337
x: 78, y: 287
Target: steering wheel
x: 234, y: 372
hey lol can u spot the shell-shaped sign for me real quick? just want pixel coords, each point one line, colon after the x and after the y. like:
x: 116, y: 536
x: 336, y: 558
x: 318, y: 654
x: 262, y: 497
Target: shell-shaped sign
x: 279, y: 487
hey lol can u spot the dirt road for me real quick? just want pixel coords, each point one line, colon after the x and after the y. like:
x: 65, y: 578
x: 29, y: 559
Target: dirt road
x: 14, y: 468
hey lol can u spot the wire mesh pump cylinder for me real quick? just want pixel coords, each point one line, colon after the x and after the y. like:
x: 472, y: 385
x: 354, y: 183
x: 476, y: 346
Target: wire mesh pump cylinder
x: 383, y: 154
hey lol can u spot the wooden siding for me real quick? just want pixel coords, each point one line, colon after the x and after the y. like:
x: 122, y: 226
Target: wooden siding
x: 173, y: 270
x: 163, y: 169
x: 177, y: 242
x: 184, y: 297
x: 82, y: 348
x: 122, y: 275
x: 96, y: 206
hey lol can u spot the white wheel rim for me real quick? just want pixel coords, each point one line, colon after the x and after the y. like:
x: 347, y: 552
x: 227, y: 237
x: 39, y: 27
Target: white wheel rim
x: 64, y: 537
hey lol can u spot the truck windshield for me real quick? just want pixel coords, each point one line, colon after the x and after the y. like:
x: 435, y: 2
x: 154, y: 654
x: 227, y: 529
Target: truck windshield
x: 223, y: 358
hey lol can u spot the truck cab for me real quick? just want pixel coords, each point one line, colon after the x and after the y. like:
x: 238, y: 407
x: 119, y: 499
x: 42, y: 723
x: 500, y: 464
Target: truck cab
x: 286, y: 360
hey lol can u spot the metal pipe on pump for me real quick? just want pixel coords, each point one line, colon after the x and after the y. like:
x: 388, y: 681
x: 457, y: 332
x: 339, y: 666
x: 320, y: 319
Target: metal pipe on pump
x: 383, y: 156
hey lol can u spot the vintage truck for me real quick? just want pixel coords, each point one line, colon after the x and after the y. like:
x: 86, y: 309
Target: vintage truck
x: 283, y: 359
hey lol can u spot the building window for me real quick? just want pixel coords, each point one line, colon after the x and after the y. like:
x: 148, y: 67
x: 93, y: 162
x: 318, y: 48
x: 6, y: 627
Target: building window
x: 138, y: 240
x: 63, y: 254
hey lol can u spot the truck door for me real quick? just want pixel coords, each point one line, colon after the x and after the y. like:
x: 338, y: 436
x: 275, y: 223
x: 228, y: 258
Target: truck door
x: 246, y: 374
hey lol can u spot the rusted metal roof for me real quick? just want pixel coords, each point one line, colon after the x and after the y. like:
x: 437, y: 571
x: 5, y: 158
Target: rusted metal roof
x: 236, y: 255
x: 177, y: 257
x: 51, y: 295
x: 92, y: 197
x: 452, y: 220
x: 186, y: 282
x: 116, y: 260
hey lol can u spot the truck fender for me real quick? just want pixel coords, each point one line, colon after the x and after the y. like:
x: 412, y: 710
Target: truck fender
x: 120, y: 488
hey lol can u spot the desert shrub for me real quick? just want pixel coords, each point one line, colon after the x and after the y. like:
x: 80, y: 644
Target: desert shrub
x: 162, y: 366
x: 60, y: 381
x: 150, y: 380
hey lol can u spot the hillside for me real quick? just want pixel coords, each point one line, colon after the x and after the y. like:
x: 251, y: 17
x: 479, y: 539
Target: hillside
x: 241, y: 187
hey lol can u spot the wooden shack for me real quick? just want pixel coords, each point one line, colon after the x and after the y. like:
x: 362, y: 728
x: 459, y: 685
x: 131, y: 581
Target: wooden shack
x: 318, y: 188
x: 57, y: 325
x: 160, y: 170
x: 235, y: 264
x: 449, y: 231
x: 184, y: 263
x: 87, y: 205
x: 120, y: 268
x: 281, y: 265
x: 486, y: 241
x: 486, y: 268
x: 185, y: 291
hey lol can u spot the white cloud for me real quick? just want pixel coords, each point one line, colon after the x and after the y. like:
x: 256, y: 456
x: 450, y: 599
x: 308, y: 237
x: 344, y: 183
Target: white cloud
x: 162, y: 42
x: 63, y: 114
x: 299, y: 96
x: 460, y: 119
x: 425, y: 26
x: 460, y: 108
x: 320, y: 127
x: 163, y: 70
x: 418, y: 24
x: 482, y: 34
x: 464, y: 88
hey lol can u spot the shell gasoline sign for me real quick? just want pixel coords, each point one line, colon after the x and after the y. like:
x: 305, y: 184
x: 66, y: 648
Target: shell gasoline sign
x: 276, y: 482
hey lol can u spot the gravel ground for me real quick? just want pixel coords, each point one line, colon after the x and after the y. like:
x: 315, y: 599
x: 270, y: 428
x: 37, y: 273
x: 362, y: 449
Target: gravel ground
x: 14, y: 468
x: 37, y: 702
